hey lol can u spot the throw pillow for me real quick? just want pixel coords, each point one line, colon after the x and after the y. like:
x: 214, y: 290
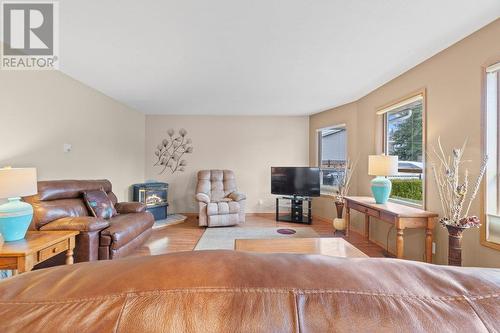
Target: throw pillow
x: 99, y: 204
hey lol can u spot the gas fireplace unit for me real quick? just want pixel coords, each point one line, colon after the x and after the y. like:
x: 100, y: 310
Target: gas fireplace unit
x: 154, y: 195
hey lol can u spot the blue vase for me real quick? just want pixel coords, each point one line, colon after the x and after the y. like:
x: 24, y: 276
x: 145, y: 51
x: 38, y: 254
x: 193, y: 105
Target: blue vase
x: 381, y: 189
x: 15, y: 218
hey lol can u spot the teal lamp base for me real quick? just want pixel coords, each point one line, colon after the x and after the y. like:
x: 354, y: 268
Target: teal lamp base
x: 381, y: 189
x: 15, y: 218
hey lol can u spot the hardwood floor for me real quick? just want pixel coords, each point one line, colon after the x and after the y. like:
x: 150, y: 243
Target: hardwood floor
x: 184, y: 236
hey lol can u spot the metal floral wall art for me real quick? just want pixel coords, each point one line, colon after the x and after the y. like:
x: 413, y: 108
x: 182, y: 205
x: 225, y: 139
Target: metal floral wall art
x: 170, y: 151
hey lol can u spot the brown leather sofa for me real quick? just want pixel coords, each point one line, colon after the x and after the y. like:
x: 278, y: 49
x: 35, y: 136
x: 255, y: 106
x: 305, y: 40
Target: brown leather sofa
x: 228, y: 291
x: 59, y: 205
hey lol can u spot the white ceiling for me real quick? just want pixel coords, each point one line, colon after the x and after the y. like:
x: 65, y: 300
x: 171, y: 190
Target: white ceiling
x: 255, y: 57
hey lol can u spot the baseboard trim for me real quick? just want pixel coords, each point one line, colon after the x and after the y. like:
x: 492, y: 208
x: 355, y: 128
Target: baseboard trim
x: 376, y: 242
x: 268, y: 215
x: 189, y: 214
x: 247, y: 214
x: 261, y: 214
x: 322, y: 219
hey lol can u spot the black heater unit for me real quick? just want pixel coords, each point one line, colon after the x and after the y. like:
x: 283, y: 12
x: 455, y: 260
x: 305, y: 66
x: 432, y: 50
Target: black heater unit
x: 154, y: 195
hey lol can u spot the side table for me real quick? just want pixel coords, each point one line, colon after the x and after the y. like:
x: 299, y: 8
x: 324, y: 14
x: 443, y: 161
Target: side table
x: 37, y: 246
x: 401, y: 216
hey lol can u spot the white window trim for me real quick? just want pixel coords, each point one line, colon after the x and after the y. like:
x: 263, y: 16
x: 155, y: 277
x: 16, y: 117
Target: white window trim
x: 491, y: 147
x: 326, y: 190
x: 416, y: 98
x: 419, y: 96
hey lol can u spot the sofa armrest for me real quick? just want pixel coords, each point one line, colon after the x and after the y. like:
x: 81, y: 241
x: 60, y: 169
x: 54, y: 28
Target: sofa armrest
x: 79, y: 223
x: 202, y: 197
x: 237, y: 196
x: 130, y: 207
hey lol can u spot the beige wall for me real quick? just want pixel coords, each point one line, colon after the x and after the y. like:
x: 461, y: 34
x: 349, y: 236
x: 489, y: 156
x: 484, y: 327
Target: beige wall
x: 42, y: 110
x: 346, y: 114
x: 453, y: 81
x: 247, y: 145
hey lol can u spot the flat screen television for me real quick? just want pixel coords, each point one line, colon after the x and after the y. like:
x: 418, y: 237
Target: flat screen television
x: 298, y: 181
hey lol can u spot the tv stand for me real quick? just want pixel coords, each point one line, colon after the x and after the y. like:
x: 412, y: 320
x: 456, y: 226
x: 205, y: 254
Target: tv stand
x: 296, y: 210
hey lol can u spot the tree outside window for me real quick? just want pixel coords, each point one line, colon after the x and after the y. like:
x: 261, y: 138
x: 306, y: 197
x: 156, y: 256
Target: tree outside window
x: 404, y: 138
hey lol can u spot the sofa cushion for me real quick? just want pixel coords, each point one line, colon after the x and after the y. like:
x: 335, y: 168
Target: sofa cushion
x: 232, y: 291
x: 70, y: 189
x: 130, y: 207
x: 47, y: 211
x: 124, y: 228
x: 79, y: 223
x: 223, y: 207
x: 99, y: 204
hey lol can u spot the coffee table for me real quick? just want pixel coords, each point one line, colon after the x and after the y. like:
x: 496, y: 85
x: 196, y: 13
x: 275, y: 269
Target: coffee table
x: 334, y: 247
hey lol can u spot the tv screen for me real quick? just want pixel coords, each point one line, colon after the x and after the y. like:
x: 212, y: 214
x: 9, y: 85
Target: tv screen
x: 300, y: 181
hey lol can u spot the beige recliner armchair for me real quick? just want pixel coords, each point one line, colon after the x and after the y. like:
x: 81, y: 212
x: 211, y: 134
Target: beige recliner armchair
x: 220, y: 203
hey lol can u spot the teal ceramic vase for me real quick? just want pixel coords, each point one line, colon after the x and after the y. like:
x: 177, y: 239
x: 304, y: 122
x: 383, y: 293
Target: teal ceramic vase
x: 381, y: 189
x: 15, y: 218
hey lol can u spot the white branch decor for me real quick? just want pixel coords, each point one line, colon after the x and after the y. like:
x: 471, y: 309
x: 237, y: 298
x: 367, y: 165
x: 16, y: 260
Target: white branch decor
x: 345, y: 180
x: 170, y: 151
x: 456, y: 193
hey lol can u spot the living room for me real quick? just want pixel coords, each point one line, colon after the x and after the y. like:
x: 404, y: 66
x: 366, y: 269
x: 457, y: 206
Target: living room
x: 310, y: 157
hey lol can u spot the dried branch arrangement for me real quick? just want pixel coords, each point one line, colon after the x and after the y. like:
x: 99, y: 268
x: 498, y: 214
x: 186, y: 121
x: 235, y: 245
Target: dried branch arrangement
x: 345, y: 180
x: 456, y: 193
x: 170, y: 151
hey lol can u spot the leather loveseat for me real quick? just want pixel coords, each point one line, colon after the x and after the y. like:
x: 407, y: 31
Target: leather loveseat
x: 219, y: 202
x: 228, y: 291
x: 59, y: 205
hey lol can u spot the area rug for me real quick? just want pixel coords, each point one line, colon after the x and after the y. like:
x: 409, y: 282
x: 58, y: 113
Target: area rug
x: 223, y: 238
x: 171, y: 219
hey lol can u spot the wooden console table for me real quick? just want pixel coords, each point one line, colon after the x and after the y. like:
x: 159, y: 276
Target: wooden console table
x: 401, y: 216
x: 37, y: 246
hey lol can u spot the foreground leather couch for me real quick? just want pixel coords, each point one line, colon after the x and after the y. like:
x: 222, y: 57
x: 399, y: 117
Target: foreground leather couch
x: 59, y: 205
x: 228, y: 291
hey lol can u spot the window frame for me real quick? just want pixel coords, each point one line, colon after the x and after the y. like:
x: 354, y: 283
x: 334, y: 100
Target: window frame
x: 331, y: 190
x: 483, y: 234
x: 421, y: 92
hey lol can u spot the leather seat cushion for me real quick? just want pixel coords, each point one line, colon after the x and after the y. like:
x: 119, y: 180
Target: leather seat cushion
x: 124, y: 228
x: 223, y: 208
x: 232, y: 291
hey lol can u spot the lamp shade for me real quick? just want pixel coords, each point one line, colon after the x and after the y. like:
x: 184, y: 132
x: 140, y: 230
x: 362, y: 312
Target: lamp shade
x: 382, y: 165
x: 17, y: 182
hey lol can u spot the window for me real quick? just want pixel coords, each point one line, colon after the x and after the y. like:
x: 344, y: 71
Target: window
x: 492, y: 181
x: 332, y: 151
x: 403, y: 136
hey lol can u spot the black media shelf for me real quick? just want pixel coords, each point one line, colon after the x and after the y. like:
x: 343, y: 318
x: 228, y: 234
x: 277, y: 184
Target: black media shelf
x: 296, y: 210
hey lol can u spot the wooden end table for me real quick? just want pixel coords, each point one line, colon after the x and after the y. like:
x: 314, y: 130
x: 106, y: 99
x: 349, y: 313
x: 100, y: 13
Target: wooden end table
x: 20, y: 256
x: 401, y: 216
x: 334, y: 247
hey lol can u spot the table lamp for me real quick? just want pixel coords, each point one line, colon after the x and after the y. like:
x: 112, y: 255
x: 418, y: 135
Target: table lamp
x: 16, y: 215
x: 382, y: 166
